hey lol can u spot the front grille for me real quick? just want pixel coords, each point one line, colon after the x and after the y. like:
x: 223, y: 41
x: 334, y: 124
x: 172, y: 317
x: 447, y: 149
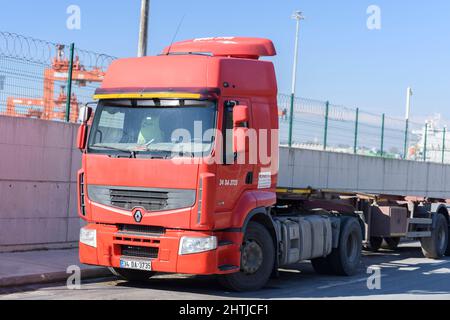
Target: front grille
x: 150, y: 199
x: 129, y: 199
x: 147, y: 230
x: 140, y: 252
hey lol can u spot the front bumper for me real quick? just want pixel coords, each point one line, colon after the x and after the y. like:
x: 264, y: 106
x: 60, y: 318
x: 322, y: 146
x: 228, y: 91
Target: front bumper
x: 110, y: 243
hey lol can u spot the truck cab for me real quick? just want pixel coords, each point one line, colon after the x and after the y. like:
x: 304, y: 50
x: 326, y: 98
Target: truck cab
x: 170, y: 181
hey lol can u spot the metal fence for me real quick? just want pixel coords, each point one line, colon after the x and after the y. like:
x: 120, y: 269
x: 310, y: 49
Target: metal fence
x: 321, y: 125
x: 35, y: 82
x: 34, y: 77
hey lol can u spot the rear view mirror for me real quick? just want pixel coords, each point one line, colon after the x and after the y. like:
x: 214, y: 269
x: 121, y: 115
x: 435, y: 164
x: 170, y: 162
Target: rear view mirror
x: 85, y: 114
x: 240, y: 115
x: 82, y: 136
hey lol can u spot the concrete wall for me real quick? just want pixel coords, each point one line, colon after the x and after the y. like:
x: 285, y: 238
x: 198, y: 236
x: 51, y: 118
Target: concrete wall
x: 328, y: 170
x: 38, y: 165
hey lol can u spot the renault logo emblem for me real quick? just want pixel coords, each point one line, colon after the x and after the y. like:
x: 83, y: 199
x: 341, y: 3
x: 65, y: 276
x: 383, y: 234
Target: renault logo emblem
x: 138, y: 216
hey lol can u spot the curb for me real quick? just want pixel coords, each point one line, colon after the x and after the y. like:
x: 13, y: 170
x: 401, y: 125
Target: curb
x: 52, y: 277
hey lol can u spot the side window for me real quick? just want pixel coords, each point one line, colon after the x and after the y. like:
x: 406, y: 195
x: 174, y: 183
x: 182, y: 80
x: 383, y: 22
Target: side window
x: 110, y: 126
x: 228, y: 153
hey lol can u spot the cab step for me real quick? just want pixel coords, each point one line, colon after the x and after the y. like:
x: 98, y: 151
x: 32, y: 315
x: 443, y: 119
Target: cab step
x: 227, y: 267
x: 224, y: 243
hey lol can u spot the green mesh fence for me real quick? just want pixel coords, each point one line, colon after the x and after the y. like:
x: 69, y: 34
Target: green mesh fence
x: 321, y: 125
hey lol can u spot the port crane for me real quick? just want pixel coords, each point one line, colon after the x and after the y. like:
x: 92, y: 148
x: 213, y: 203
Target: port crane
x: 50, y: 107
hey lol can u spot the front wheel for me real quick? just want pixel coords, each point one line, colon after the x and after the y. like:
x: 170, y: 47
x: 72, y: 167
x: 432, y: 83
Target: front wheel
x: 257, y: 261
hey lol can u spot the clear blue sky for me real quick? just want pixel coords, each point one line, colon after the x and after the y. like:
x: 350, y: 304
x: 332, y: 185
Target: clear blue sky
x: 340, y: 59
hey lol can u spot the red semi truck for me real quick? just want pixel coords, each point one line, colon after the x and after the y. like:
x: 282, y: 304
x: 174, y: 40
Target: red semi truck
x: 174, y: 180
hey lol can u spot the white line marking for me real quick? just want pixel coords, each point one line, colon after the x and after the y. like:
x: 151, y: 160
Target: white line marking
x: 408, y: 268
x: 437, y: 271
x: 343, y: 283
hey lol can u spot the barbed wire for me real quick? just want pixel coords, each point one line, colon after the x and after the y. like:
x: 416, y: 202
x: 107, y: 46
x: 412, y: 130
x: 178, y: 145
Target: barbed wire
x: 94, y: 60
x: 25, y: 48
x: 39, y: 51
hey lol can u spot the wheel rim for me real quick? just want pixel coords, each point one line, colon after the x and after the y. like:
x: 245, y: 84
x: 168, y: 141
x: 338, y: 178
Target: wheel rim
x: 252, y: 257
x: 352, y: 246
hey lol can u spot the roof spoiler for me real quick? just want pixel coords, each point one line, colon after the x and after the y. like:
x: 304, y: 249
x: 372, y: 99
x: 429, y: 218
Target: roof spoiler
x: 236, y: 47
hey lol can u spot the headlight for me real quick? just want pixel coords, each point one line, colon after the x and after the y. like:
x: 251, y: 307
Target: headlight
x: 88, y: 237
x: 189, y: 245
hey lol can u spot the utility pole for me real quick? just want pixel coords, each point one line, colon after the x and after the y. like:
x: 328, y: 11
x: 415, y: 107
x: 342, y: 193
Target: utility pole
x: 298, y: 15
x: 143, y: 29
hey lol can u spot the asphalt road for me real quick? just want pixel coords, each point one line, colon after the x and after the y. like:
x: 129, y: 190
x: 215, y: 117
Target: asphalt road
x: 405, y: 274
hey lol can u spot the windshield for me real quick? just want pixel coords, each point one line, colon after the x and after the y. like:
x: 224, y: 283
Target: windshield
x: 155, y: 127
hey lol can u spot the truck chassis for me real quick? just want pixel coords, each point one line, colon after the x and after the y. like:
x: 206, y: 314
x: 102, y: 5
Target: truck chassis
x: 384, y: 220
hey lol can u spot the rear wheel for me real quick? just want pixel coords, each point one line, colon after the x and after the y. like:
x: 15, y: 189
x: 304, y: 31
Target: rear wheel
x: 345, y: 259
x: 133, y: 275
x: 390, y: 243
x: 374, y: 244
x: 257, y: 261
x: 436, y: 246
x: 447, y: 252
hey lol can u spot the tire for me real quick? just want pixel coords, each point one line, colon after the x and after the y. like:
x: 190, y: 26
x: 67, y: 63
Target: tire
x: 322, y: 266
x: 447, y: 252
x: 346, y: 258
x: 133, y: 275
x: 257, y: 261
x: 390, y: 243
x: 436, y: 246
x: 374, y: 244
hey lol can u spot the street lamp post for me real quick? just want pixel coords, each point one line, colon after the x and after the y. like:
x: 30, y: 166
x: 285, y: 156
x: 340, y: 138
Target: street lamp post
x: 409, y: 93
x: 143, y: 29
x: 298, y: 16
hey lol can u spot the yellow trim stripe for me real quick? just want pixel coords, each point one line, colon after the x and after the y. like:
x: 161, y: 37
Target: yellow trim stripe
x: 295, y: 191
x: 153, y: 95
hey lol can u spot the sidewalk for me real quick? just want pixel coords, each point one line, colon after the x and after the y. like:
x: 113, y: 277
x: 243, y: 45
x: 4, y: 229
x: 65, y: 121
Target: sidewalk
x: 33, y: 267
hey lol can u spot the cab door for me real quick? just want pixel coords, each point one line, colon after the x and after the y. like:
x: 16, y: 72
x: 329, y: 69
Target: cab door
x: 232, y: 178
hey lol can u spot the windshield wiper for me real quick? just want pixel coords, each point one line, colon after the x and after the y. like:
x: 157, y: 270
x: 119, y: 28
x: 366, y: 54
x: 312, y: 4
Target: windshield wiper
x: 131, y: 152
x: 153, y: 153
x: 142, y: 148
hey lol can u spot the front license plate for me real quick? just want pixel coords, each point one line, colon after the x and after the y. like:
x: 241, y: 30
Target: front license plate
x: 136, y: 264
